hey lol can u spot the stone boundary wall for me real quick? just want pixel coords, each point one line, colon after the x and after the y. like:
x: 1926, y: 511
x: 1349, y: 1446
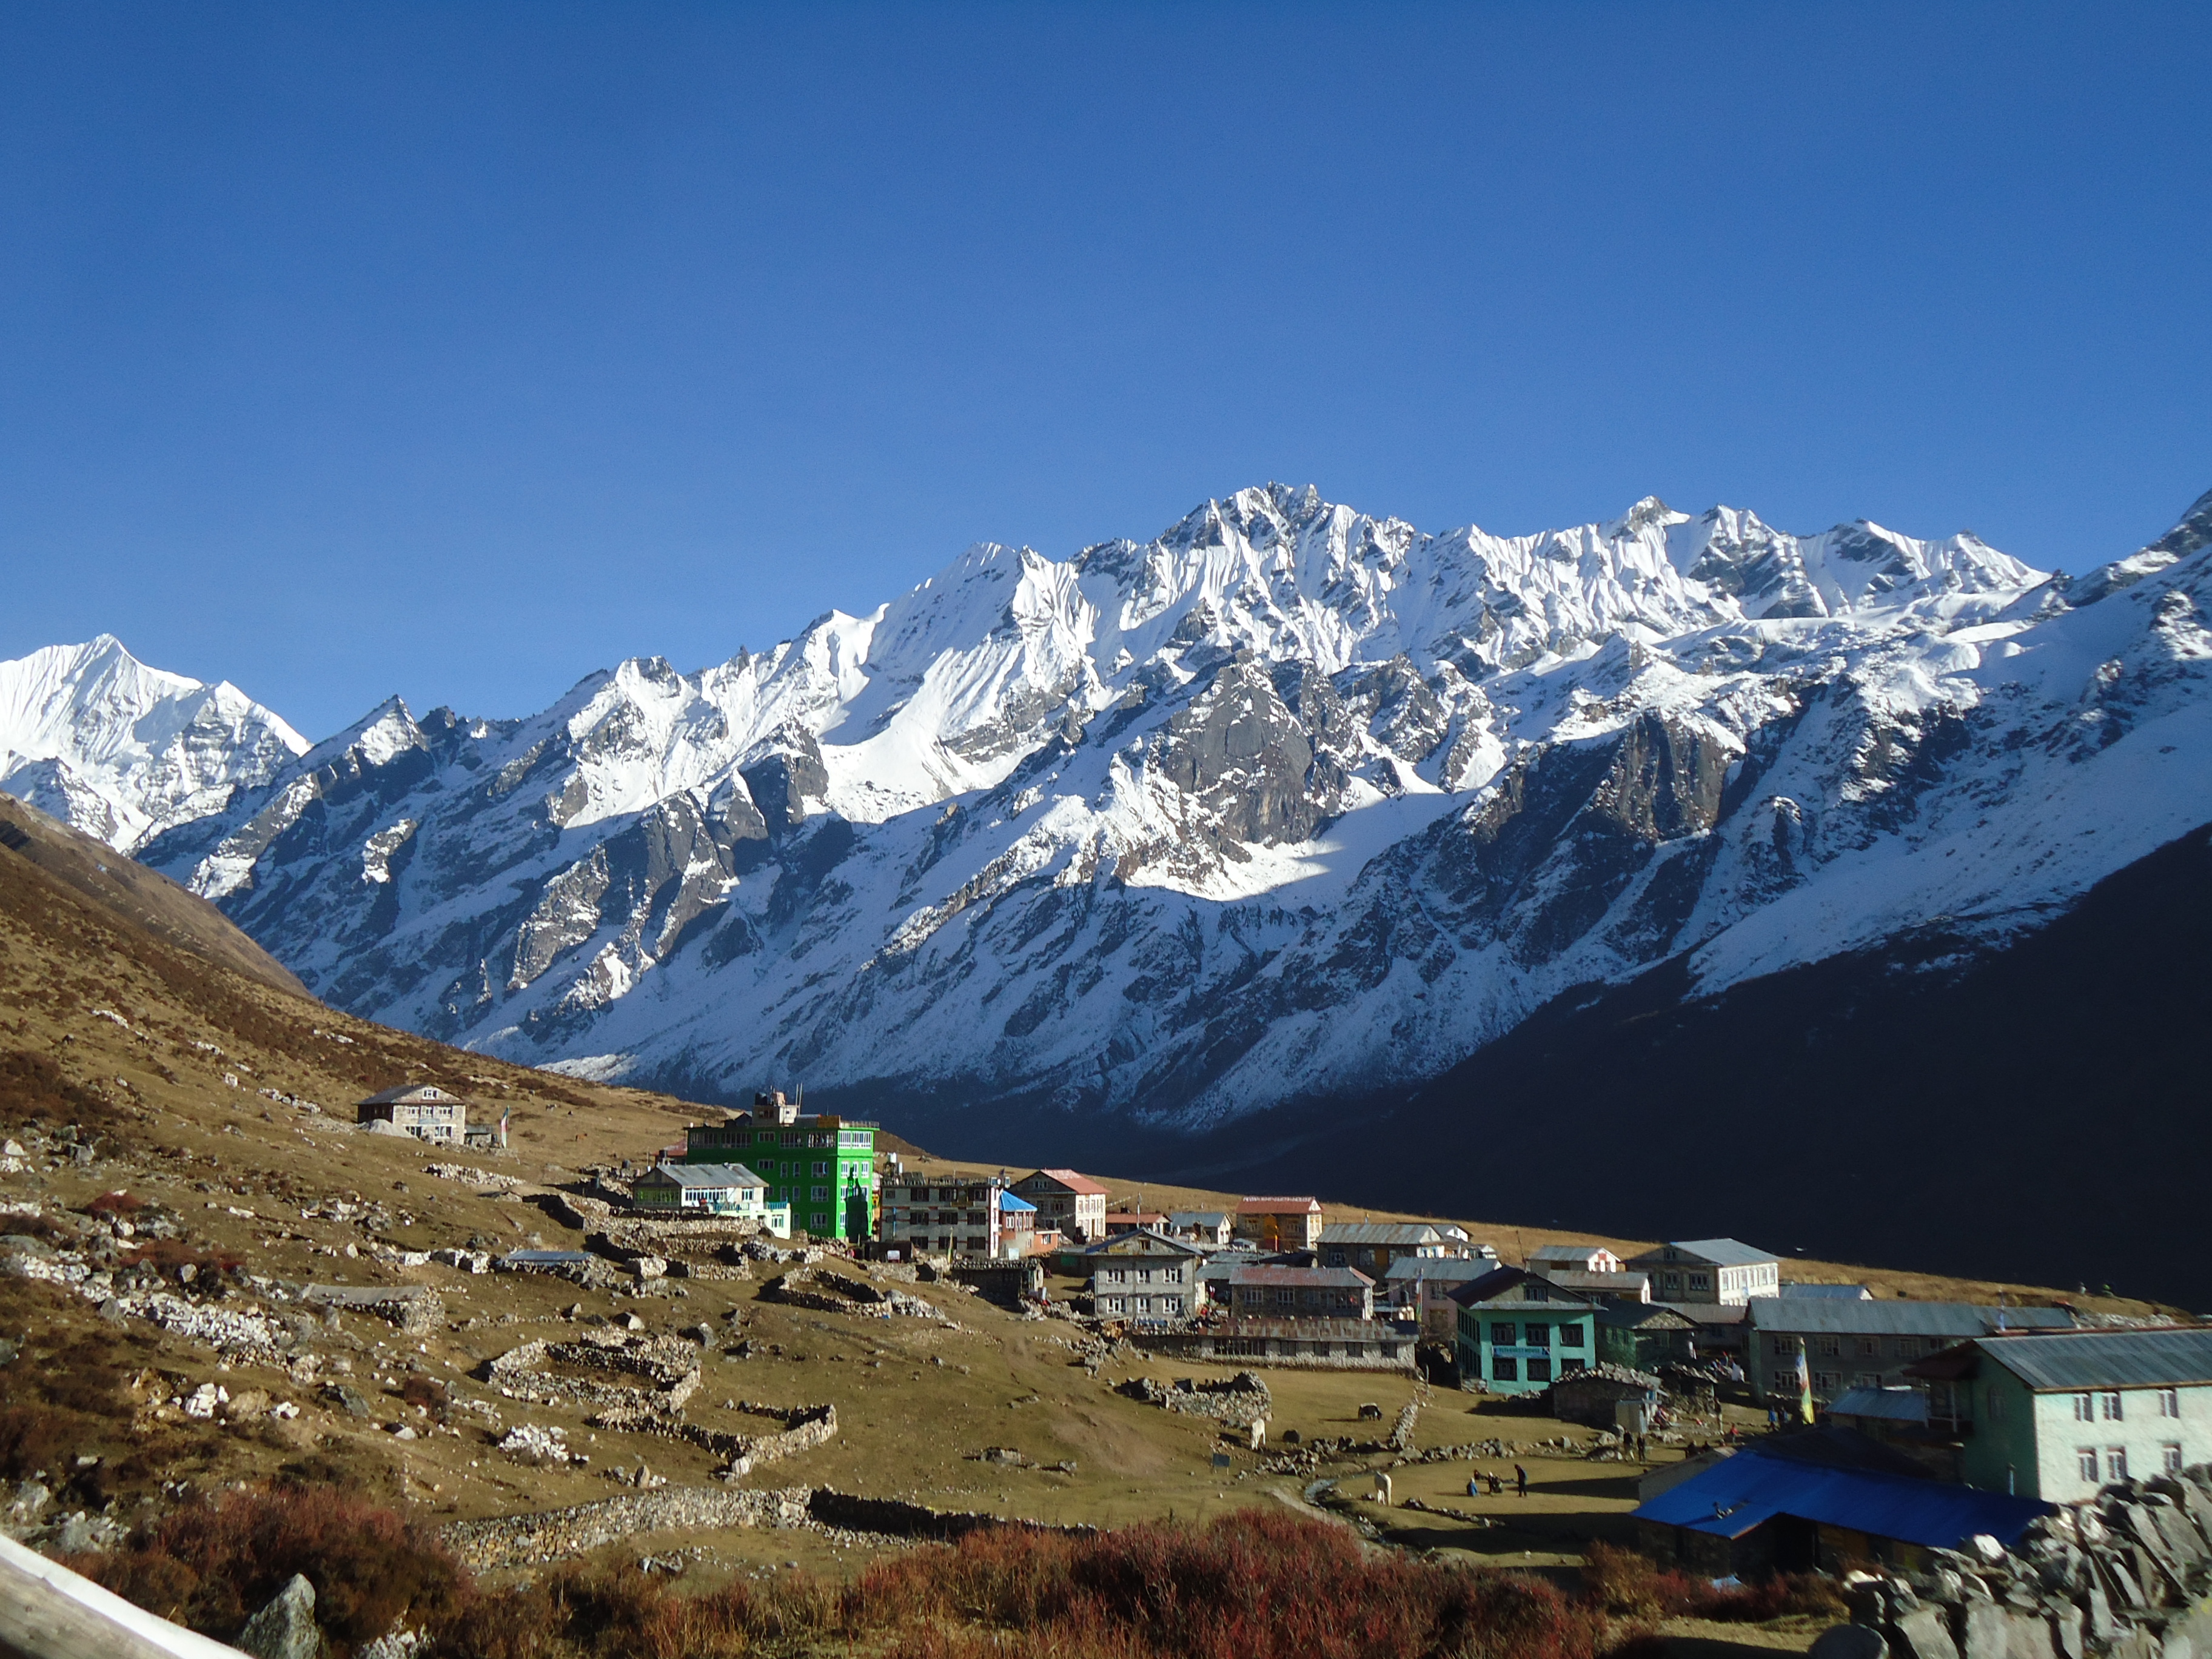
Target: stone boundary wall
x: 806, y: 1428
x: 826, y: 1291
x: 895, y: 1518
x: 523, y: 1541
x: 518, y: 1540
x: 670, y: 1362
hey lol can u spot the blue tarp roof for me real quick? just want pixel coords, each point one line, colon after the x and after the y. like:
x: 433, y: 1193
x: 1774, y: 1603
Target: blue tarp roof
x: 1008, y: 1201
x: 1748, y: 1489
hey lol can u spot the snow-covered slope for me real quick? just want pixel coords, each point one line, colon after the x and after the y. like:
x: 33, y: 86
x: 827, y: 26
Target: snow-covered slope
x: 91, y: 736
x: 1289, y: 799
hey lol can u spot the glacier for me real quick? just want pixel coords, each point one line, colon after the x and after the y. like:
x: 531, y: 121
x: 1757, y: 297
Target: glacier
x: 1285, y: 801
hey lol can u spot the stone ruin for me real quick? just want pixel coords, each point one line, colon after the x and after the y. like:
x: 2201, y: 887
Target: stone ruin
x: 1237, y: 1402
x: 826, y: 1291
x: 642, y: 1385
x: 2126, y: 1575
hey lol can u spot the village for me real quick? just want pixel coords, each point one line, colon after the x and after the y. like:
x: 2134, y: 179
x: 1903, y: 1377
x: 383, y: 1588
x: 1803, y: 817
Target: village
x: 566, y: 1328
x: 1817, y: 1426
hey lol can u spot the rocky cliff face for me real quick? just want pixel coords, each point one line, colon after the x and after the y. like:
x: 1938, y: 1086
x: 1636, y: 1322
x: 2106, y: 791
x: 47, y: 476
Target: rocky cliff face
x: 1289, y: 800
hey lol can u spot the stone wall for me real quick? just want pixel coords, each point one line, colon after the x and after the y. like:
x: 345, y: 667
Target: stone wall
x: 518, y: 1540
x: 2127, y: 1575
x: 1238, y: 1401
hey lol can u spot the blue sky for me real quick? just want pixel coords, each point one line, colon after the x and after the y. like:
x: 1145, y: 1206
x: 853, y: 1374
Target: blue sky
x: 458, y: 350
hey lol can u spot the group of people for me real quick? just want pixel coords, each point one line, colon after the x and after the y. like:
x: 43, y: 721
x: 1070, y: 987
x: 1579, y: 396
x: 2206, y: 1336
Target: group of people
x: 1498, y: 1482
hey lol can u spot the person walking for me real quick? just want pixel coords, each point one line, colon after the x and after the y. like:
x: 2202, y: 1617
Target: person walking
x: 1520, y: 1481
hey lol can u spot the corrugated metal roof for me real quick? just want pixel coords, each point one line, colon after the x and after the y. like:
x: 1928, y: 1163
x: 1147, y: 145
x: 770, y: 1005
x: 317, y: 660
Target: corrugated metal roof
x: 1380, y: 1232
x: 1069, y: 1179
x: 705, y: 1175
x: 1750, y: 1489
x: 1890, y: 1405
x: 1957, y: 1321
x: 1278, y: 1207
x: 1199, y: 1217
x: 2117, y: 1359
x: 1444, y: 1269
x: 1720, y: 1252
x: 1829, y: 1292
x: 1338, y: 1278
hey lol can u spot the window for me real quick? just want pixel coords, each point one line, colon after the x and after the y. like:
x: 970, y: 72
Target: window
x: 2169, y: 1402
x: 1830, y: 1347
x: 1782, y: 1382
x: 2087, y: 1457
x: 1540, y: 1370
x: 820, y: 1224
x: 2113, y: 1410
x: 1701, y: 1281
x: 1823, y: 1382
x: 1779, y: 1343
x: 2170, y: 1455
x: 1141, y: 1303
x: 820, y: 1168
x: 2085, y: 1408
x: 1112, y: 1305
x: 820, y: 1194
x: 2116, y: 1462
x: 1503, y: 1370
x: 1570, y: 1336
x: 1171, y: 1275
x: 1870, y: 1347
x: 1503, y: 1333
x: 1115, y: 1275
x: 1537, y: 1336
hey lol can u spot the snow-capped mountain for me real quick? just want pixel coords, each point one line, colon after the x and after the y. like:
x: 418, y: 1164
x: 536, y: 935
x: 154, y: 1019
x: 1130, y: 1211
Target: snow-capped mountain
x: 91, y: 736
x: 1289, y: 801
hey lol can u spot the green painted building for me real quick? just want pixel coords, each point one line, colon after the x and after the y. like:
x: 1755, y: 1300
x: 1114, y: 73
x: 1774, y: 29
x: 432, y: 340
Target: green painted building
x: 822, y: 1166
x: 1518, y: 1333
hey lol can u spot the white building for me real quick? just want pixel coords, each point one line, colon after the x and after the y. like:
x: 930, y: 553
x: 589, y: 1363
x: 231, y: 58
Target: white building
x: 716, y: 1189
x: 955, y: 1214
x: 423, y: 1110
x: 1721, y: 1270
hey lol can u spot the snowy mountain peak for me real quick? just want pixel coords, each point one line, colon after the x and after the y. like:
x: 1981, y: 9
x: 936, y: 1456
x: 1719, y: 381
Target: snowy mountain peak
x: 92, y: 736
x: 1288, y: 799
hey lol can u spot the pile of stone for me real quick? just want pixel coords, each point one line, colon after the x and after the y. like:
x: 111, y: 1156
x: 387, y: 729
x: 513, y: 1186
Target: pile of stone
x: 414, y: 1309
x: 1237, y: 1402
x: 2127, y: 1575
x: 470, y: 1176
x: 528, y: 1443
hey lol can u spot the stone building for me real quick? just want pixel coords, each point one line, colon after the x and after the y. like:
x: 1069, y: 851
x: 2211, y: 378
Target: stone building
x: 420, y: 1110
x: 1143, y: 1275
x: 1371, y: 1345
x: 1266, y: 1291
x: 1851, y: 1345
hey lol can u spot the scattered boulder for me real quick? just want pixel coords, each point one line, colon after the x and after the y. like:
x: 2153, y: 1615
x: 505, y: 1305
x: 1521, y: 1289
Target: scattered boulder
x: 285, y: 1629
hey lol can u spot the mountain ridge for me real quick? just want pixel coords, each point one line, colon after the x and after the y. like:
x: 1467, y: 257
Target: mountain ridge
x: 1289, y: 798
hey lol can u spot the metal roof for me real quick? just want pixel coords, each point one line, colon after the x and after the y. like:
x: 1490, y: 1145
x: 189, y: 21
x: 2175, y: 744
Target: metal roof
x: 1828, y: 1292
x: 1456, y: 1269
x: 1750, y: 1489
x: 1812, y: 1315
x: 1532, y: 1289
x: 704, y: 1175
x: 1199, y: 1217
x: 2090, y: 1359
x: 1335, y: 1279
x: 1720, y: 1252
x: 1380, y: 1232
x: 1891, y: 1405
x: 1278, y: 1207
x: 407, y: 1093
x: 1567, y: 1253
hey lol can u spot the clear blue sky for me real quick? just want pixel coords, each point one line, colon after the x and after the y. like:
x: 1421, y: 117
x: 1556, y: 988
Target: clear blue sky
x: 457, y: 351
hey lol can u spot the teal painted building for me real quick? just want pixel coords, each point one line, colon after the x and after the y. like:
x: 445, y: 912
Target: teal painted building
x: 822, y: 1166
x: 1518, y: 1333
x: 2059, y: 1415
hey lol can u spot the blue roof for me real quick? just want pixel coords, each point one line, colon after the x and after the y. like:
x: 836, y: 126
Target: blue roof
x: 1750, y: 1489
x: 1008, y: 1201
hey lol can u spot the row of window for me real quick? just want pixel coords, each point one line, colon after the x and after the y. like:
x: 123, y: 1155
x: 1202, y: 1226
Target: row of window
x: 1140, y: 1275
x: 1531, y: 1336
x: 1161, y: 1307
x: 2111, y: 1405
x: 1503, y: 1368
x: 942, y: 1218
x: 2115, y: 1462
x: 1862, y: 1347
